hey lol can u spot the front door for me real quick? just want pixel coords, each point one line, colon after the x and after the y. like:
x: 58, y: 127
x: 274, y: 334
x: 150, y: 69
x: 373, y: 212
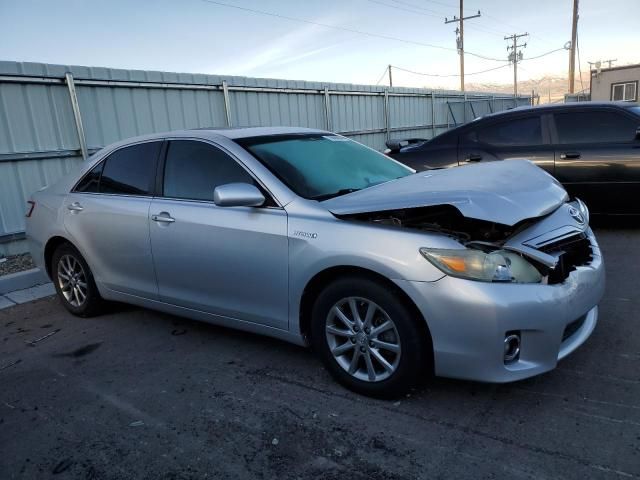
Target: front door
x: 229, y: 261
x: 523, y: 137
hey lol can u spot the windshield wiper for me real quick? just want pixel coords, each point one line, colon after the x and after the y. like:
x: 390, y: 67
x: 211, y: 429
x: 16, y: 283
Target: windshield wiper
x: 327, y: 196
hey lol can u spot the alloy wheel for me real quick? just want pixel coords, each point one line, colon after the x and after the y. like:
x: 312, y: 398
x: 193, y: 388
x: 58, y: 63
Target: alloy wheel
x: 363, y: 339
x: 72, y: 280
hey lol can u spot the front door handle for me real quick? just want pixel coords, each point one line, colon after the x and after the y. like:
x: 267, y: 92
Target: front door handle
x: 474, y: 157
x: 75, y: 207
x: 163, y: 217
x: 569, y: 155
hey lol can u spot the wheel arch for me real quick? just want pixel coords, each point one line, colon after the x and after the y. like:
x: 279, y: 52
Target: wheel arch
x: 52, y: 244
x: 323, y: 278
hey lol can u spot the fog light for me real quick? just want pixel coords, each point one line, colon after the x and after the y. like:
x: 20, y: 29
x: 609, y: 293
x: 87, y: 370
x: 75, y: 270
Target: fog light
x: 511, y: 347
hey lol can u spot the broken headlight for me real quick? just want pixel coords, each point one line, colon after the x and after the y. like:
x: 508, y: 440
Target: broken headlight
x: 496, y: 266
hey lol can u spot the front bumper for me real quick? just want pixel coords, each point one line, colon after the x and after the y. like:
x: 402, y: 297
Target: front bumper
x: 468, y: 321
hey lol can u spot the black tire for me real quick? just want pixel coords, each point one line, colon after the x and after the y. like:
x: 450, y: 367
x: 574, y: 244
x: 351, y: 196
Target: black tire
x: 91, y: 304
x: 415, y: 355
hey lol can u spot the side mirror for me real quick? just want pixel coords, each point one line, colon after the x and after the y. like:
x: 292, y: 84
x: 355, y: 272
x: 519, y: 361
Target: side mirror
x: 238, y: 195
x: 638, y: 133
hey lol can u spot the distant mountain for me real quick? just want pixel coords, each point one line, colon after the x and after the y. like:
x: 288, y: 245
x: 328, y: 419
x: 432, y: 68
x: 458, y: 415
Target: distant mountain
x: 551, y: 88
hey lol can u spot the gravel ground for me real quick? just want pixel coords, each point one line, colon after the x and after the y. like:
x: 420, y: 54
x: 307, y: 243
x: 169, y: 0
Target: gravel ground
x: 139, y: 394
x: 16, y: 263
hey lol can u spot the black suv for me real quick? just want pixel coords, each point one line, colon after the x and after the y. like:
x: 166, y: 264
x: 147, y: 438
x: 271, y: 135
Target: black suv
x: 592, y: 148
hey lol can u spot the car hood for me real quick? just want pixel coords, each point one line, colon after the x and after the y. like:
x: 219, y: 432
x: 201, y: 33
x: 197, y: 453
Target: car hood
x: 505, y: 192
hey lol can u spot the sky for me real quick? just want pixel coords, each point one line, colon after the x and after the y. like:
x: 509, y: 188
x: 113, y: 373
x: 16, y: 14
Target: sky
x: 204, y: 37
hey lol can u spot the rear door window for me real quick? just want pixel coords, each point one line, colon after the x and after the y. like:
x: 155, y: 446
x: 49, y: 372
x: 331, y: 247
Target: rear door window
x: 131, y: 170
x: 194, y: 169
x: 519, y: 131
x: 91, y: 181
x: 594, y: 127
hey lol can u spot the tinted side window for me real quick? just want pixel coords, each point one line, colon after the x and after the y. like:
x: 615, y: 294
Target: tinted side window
x: 91, y: 180
x: 594, y: 127
x: 194, y: 169
x: 520, y: 131
x: 131, y: 170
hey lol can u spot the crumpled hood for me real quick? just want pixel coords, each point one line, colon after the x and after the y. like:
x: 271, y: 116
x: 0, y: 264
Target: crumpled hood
x: 505, y: 192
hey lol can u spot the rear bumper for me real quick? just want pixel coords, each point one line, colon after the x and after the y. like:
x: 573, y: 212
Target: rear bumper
x: 468, y: 321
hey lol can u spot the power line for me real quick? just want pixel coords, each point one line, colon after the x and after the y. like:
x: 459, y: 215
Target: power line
x: 382, y: 76
x: 475, y: 27
x: 347, y: 29
x: 395, y: 7
x: 565, y: 47
x: 414, y: 10
x: 447, y: 75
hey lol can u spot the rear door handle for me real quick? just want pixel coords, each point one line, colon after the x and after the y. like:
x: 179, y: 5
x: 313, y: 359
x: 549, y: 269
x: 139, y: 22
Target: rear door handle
x: 569, y: 155
x: 474, y: 157
x: 163, y: 217
x: 75, y: 207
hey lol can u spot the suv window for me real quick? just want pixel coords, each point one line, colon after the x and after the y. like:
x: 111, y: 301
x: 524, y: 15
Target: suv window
x: 594, y: 127
x: 519, y: 131
x: 194, y: 169
x: 130, y: 170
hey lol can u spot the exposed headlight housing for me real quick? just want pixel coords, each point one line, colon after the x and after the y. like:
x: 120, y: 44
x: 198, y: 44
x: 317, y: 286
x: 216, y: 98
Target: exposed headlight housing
x: 496, y: 266
x: 583, y: 209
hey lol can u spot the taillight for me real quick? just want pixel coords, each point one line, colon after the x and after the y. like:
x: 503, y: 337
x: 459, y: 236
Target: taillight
x: 31, y: 206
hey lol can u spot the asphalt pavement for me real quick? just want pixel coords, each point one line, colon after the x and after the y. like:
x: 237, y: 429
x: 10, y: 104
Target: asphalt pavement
x: 139, y: 394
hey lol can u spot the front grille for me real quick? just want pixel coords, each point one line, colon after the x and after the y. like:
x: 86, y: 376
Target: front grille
x: 572, y: 252
x: 573, y: 327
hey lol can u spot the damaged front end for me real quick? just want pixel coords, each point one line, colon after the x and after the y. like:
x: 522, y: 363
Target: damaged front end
x: 535, y: 250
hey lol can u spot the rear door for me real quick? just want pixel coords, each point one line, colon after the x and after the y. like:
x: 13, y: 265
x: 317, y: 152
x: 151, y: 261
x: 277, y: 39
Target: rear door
x: 106, y: 216
x: 228, y: 261
x: 598, y: 158
x: 524, y: 136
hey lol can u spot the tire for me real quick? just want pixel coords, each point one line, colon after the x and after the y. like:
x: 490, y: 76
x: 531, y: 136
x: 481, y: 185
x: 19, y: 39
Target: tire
x: 74, y: 282
x: 394, y: 334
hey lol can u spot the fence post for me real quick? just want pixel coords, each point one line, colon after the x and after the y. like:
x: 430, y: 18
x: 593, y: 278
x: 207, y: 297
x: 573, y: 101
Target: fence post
x: 464, y: 109
x: 387, y: 125
x: 327, y: 109
x: 227, y: 104
x: 433, y: 114
x: 76, y: 115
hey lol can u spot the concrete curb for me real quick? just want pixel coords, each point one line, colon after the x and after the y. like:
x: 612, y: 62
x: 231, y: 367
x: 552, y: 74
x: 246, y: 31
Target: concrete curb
x: 26, y: 295
x: 21, y: 280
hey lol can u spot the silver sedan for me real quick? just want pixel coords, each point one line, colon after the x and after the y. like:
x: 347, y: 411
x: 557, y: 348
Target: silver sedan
x: 488, y: 272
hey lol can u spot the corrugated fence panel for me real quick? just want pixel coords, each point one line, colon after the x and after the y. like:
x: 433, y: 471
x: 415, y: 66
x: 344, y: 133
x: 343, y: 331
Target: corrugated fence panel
x: 271, y: 109
x: 39, y: 141
x: 18, y: 180
x: 35, y: 118
x: 351, y: 113
x: 409, y: 111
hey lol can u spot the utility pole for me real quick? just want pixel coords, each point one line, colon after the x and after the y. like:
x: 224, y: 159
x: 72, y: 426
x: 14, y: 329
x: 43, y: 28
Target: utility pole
x: 390, y: 77
x: 460, y: 37
x: 515, y: 56
x: 572, y: 53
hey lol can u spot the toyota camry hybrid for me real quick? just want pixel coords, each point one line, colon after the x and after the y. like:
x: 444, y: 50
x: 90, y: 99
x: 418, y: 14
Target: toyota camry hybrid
x: 488, y: 272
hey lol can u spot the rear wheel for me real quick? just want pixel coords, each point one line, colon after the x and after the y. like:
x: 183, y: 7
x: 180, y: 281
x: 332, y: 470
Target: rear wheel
x: 368, y: 338
x: 74, y: 282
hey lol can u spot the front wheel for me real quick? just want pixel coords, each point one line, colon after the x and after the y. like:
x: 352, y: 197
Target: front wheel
x: 368, y: 338
x: 74, y: 282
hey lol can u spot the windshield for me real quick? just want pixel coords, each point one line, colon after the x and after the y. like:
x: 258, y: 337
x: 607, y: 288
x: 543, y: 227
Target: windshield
x: 320, y: 167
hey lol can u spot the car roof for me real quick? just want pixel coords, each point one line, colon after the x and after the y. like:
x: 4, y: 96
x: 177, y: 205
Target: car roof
x: 559, y: 106
x: 231, y: 133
